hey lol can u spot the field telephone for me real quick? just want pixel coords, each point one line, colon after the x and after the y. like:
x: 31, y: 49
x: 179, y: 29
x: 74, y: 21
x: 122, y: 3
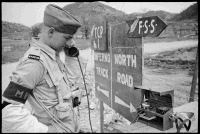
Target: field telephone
x: 156, y: 108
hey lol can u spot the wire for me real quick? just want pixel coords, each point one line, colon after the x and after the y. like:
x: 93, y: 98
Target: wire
x: 137, y: 116
x: 86, y: 94
x: 59, y: 122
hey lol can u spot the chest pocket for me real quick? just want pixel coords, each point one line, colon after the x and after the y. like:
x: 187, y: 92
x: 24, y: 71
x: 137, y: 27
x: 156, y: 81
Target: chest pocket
x: 53, y: 77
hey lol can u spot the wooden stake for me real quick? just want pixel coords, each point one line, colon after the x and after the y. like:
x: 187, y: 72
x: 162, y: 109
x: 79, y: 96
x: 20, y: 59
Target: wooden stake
x: 194, y: 80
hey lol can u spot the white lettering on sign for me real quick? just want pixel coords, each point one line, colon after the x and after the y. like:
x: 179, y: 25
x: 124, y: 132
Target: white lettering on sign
x: 147, y: 26
x: 140, y: 26
x: 103, y: 57
x: 98, y: 31
x: 125, y: 79
x: 125, y: 60
x: 102, y: 72
x: 151, y: 31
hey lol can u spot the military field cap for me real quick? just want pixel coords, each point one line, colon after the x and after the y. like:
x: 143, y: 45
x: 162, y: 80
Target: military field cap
x: 60, y: 19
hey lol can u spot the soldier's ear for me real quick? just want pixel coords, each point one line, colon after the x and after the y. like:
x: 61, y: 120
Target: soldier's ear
x: 51, y: 31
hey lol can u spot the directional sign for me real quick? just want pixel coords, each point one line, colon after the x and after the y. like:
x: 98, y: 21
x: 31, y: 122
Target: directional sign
x: 126, y: 71
x: 102, y: 76
x: 99, y: 36
x: 119, y: 70
x: 146, y: 27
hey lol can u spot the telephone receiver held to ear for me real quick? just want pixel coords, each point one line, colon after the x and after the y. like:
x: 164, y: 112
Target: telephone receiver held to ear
x: 71, y: 52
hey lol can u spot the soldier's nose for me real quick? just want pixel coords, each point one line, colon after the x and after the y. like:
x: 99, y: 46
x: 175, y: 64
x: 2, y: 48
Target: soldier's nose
x: 70, y: 43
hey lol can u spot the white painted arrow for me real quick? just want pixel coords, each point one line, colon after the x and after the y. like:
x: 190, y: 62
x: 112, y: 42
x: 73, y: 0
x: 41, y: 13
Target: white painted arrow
x: 103, y: 91
x: 119, y: 101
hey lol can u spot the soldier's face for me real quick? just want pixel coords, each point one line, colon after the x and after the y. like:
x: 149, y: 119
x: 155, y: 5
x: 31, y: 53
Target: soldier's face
x: 61, y: 40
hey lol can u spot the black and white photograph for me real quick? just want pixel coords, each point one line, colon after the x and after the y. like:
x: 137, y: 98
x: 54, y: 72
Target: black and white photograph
x: 99, y: 67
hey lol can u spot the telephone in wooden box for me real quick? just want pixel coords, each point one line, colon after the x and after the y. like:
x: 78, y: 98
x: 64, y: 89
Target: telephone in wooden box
x: 157, y: 105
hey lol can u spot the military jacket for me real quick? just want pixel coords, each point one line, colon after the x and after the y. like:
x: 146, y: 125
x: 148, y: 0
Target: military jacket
x: 41, y: 70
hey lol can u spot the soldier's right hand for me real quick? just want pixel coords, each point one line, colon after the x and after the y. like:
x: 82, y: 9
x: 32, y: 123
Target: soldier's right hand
x: 51, y: 129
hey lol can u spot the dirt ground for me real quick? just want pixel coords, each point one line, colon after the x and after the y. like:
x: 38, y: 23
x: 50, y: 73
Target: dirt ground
x: 169, y: 69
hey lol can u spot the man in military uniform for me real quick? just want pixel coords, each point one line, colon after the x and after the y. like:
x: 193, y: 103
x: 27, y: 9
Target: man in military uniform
x: 41, y: 79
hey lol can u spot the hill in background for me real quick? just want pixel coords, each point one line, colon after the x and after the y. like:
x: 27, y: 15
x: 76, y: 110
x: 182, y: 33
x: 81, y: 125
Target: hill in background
x: 191, y: 13
x: 90, y: 13
x: 162, y: 14
x: 15, y: 31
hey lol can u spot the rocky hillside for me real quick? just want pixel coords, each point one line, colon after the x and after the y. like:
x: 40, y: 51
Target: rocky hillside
x: 80, y: 8
x: 191, y: 13
x: 90, y: 13
x: 162, y: 14
x: 12, y: 30
x: 13, y: 27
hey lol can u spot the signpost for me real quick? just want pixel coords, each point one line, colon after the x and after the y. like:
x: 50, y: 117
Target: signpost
x: 118, y: 59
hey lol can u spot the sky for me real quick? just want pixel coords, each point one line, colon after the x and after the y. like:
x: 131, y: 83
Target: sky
x: 30, y: 13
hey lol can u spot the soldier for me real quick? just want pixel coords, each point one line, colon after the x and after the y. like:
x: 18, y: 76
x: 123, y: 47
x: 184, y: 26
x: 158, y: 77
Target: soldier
x: 41, y: 79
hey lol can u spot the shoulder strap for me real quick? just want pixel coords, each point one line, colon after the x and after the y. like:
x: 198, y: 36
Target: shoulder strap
x: 33, y: 53
x: 46, y: 62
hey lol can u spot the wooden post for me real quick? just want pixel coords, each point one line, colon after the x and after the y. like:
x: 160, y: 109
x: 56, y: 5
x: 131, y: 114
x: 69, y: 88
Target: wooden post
x: 194, y: 80
x: 101, y: 116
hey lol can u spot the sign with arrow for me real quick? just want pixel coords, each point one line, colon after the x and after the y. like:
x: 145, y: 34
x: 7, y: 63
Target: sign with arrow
x: 126, y: 64
x: 118, y: 61
x: 102, y: 74
x: 105, y: 92
x: 118, y: 70
x: 146, y: 27
x: 119, y: 101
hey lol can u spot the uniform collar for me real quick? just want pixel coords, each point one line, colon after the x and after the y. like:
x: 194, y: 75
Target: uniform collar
x: 48, y: 50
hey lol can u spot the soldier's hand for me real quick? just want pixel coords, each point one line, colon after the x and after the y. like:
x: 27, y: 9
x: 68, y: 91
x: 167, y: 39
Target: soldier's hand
x: 68, y: 96
x: 51, y: 129
x: 71, y: 95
